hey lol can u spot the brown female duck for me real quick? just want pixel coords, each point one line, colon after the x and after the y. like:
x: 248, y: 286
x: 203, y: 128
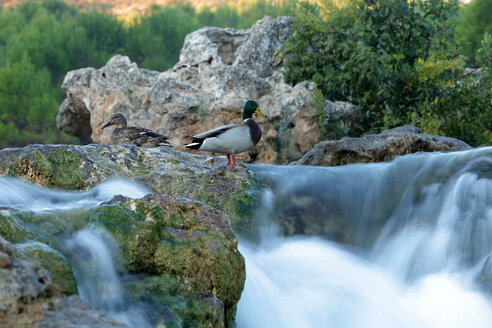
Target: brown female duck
x: 134, y: 135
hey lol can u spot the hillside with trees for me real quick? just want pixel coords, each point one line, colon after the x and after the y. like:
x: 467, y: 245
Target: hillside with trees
x: 41, y: 41
x: 131, y: 7
x: 400, y: 62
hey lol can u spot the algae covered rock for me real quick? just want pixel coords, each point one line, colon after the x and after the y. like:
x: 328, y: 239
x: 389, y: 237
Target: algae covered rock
x: 184, y: 252
x: 174, y: 306
x: 51, y: 259
x: 183, y: 239
x: 162, y: 170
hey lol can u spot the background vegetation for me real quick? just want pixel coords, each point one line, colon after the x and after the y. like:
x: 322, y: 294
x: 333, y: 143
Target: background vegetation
x: 400, y: 61
x: 41, y: 41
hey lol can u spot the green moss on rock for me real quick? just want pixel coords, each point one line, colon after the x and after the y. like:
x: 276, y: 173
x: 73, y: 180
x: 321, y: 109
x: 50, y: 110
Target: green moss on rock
x: 14, y: 229
x: 175, y: 305
x: 172, y: 236
x: 56, y: 167
x: 51, y: 260
x: 161, y: 169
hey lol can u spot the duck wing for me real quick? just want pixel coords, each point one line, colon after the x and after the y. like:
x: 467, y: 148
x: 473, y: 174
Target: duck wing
x: 215, y: 132
x: 152, y: 134
x: 142, y: 137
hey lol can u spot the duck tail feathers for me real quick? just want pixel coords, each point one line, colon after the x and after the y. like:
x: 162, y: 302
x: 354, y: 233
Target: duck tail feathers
x: 193, y: 145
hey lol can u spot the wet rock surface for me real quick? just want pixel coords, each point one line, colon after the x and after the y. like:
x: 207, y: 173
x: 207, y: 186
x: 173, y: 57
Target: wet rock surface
x: 185, y: 246
x: 183, y: 251
x: 73, y: 312
x: 381, y: 147
x: 162, y: 170
x: 28, y: 298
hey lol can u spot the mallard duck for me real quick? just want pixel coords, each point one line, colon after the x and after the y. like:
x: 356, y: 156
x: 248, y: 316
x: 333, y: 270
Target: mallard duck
x: 135, y: 135
x: 233, y: 138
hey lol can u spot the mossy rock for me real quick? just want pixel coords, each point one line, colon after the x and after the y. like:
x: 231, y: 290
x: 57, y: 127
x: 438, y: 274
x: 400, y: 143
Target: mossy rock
x: 51, y: 260
x: 14, y: 229
x: 187, y: 240
x: 174, y: 305
x: 161, y: 169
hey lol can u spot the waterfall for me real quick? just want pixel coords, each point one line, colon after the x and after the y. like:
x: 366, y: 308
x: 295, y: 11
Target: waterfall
x: 24, y: 195
x: 397, y: 244
x: 94, y: 269
x: 90, y: 250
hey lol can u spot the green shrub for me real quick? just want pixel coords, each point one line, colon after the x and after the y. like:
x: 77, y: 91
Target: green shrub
x: 475, y: 20
x: 397, y: 60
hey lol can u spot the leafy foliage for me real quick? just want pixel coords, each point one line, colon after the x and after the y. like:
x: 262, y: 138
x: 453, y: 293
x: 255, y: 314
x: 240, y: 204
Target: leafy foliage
x: 41, y: 41
x: 475, y: 20
x: 396, y: 59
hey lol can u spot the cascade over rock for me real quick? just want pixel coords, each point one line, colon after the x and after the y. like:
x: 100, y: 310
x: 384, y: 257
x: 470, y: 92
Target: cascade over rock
x: 219, y: 69
x: 185, y: 245
x: 28, y: 297
x: 184, y: 252
x: 381, y: 147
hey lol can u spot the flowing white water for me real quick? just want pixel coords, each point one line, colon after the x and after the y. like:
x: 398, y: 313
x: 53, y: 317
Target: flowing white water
x: 94, y: 269
x: 424, y: 230
x: 91, y: 250
x: 27, y: 196
x: 408, y: 241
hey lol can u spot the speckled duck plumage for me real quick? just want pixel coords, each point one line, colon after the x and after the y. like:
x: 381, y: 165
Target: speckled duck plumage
x: 134, y: 135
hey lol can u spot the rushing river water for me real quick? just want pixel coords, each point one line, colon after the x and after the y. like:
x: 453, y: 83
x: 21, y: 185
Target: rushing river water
x: 421, y: 233
x: 398, y: 244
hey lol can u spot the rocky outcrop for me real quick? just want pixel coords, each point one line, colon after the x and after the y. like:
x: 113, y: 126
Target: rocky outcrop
x: 162, y: 170
x: 28, y: 298
x: 381, y: 147
x: 184, y: 255
x: 193, y: 243
x: 183, y: 252
x: 218, y: 71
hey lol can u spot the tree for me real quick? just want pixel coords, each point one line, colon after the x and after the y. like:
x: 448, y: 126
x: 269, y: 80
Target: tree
x: 475, y: 20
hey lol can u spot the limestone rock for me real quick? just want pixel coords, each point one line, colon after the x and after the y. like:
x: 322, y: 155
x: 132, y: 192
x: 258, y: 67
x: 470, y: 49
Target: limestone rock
x: 73, y: 312
x: 187, y: 240
x: 378, y: 147
x: 218, y: 71
x: 161, y: 169
x: 339, y: 117
x: 27, y: 297
x: 52, y: 260
x: 158, y: 236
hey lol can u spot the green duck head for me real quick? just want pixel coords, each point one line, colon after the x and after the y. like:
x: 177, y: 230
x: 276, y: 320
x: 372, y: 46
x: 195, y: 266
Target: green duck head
x: 116, y: 119
x: 250, y: 108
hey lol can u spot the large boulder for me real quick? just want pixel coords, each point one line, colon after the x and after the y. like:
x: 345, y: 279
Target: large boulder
x: 161, y: 170
x: 381, y: 147
x: 187, y: 241
x: 218, y: 71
